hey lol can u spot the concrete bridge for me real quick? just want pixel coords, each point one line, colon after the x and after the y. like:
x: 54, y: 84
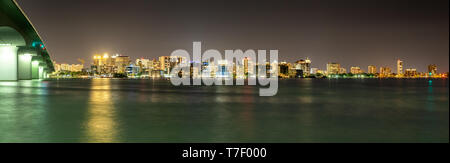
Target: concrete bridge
x: 23, y: 55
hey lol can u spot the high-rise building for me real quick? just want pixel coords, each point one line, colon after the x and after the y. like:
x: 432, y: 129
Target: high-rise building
x: 144, y: 65
x: 399, y: 67
x: 103, y: 64
x: 355, y: 70
x: 164, y: 62
x: 372, y: 69
x: 245, y: 62
x: 223, y: 69
x: 121, y: 63
x: 303, y: 65
x: 333, y: 68
x: 432, y: 69
x: 385, y: 71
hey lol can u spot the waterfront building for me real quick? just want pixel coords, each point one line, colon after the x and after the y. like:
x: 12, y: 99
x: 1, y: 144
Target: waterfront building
x: 303, y: 66
x: 164, y: 62
x: 356, y: 70
x: 76, y: 68
x: 251, y: 68
x: 342, y: 70
x: 156, y: 65
x: 132, y: 70
x: 283, y: 69
x: 411, y: 72
x: 432, y: 70
x: 385, y: 72
x: 57, y: 67
x: 67, y: 67
x: 399, y: 68
x: 121, y: 63
x: 102, y: 64
x: 245, y: 63
x: 372, y: 69
x: 222, y: 69
x: 144, y: 65
x: 333, y: 68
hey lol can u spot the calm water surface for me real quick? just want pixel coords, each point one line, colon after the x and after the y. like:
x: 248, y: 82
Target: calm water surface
x: 308, y: 110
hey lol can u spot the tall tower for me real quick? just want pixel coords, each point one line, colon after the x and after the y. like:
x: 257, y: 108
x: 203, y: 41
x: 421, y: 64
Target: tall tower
x: 399, y: 67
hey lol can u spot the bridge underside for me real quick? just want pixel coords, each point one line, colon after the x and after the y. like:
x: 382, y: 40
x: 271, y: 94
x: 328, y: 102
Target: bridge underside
x: 23, y: 56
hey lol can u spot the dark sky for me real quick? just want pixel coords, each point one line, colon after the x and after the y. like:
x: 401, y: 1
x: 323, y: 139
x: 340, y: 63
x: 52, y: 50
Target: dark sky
x: 351, y: 32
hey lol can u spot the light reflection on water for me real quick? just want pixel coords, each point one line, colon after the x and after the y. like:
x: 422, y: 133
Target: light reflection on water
x: 106, y: 110
x: 100, y: 125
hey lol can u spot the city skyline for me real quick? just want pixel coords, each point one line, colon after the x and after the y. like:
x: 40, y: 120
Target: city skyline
x: 360, y: 69
x: 303, y: 29
x: 120, y: 66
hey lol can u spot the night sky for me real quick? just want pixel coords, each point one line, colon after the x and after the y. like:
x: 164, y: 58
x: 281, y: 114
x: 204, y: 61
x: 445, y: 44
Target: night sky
x: 351, y: 32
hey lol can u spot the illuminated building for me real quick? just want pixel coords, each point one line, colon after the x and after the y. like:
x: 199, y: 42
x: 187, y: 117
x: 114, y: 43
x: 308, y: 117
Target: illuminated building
x: 67, y: 67
x: 57, y: 66
x: 164, y: 62
x: 356, y: 70
x: 222, y: 69
x: 251, y: 68
x: 283, y: 69
x: 155, y: 70
x: 342, y: 71
x: 385, y: 71
x: 303, y: 66
x: 121, y: 62
x: 245, y: 62
x: 132, y: 70
x: 333, y: 68
x: 103, y: 64
x: 432, y: 70
x: 144, y: 65
x: 76, y: 67
x: 143, y: 62
x: 156, y: 65
x: 410, y: 72
x: 372, y: 69
x: 399, y: 68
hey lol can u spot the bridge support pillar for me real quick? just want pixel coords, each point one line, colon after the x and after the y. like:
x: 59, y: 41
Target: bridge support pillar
x: 24, y: 67
x: 8, y: 63
x: 25, y: 56
x: 35, y: 67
